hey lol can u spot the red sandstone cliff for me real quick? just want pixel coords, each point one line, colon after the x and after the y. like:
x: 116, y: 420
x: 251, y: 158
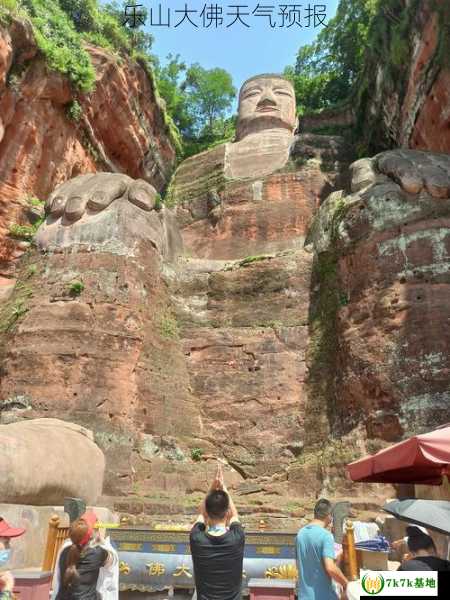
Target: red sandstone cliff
x: 256, y: 342
x: 405, y: 92
x: 121, y: 127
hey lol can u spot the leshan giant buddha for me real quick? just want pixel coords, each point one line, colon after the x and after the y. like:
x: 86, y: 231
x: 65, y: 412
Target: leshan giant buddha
x: 203, y: 326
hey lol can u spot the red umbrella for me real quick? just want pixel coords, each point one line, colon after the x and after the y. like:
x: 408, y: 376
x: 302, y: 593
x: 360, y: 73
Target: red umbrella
x: 421, y: 459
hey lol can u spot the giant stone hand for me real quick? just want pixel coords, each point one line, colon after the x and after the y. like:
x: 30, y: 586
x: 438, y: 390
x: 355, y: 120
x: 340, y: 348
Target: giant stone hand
x: 92, y: 193
x: 415, y: 171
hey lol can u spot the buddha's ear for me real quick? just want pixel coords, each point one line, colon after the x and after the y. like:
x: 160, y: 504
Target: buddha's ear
x: 297, y: 125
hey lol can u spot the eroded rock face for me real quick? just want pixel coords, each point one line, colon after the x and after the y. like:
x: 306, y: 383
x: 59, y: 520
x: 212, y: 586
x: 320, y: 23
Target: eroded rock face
x: 213, y: 327
x: 390, y: 243
x: 151, y: 348
x: 242, y: 296
x: 44, y: 461
x: 96, y: 340
x: 245, y: 347
x: 407, y: 102
x: 40, y: 146
x: 244, y: 334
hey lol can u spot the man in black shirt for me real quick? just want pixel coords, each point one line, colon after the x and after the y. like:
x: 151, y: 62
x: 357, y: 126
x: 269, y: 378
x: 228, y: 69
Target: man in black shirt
x: 217, y: 545
x: 423, y: 552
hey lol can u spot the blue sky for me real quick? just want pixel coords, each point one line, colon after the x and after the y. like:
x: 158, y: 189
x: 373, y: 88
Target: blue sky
x: 242, y: 51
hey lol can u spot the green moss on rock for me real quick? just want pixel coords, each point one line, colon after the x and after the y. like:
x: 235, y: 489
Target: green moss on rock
x: 16, y: 307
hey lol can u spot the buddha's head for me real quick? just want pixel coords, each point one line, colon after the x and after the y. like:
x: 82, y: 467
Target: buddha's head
x: 266, y: 102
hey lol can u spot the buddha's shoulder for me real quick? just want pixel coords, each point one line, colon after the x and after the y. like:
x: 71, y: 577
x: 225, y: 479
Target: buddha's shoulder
x: 200, y: 169
x: 210, y: 157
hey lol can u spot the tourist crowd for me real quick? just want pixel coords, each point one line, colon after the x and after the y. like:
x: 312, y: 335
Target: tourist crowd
x: 87, y: 565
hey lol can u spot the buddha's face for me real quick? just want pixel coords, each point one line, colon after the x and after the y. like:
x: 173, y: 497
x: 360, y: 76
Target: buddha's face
x: 264, y: 103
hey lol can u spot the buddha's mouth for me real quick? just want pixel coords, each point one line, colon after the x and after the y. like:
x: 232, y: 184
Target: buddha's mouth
x: 268, y: 109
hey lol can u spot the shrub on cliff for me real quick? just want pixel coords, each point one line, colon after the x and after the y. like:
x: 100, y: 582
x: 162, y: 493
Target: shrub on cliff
x: 61, y: 27
x: 7, y: 7
x: 60, y: 43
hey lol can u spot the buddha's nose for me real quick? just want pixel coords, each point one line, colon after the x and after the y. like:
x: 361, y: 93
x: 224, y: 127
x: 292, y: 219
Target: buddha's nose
x: 267, y: 98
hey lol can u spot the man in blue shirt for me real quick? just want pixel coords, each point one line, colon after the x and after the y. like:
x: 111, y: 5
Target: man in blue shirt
x: 315, y: 557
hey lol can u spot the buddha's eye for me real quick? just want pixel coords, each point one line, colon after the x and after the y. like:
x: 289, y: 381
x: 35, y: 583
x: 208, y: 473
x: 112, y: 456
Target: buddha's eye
x: 283, y: 93
x: 251, y: 94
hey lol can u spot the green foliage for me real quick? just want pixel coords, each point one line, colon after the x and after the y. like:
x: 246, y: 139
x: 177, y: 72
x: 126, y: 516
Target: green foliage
x: 58, y: 40
x: 13, y: 82
x: 168, y: 327
x: 17, y: 311
x: 196, y: 454
x: 81, y: 12
x: 210, y: 94
x: 61, y: 27
x: 16, y: 307
x: 223, y: 130
x: 170, y: 87
x: 11, y: 5
x: 15, y: 74
x: 399, y: 49
x: 87, y: 144
x: 34, y: 201
x: 248, y: 260
x: 343, y: 299
x: 150, y: 64
x: 103, y: 26
x: 25, y: 232
x: 138, y: 40
x: 74, y: 111
x: 388, y: 48
x: 198, y: 100
x: 75, y: 288
x: 32, y: 270
x: 443, y: 52
x: 315, y: 92
x: 327, y: 70
x: 158, y: 202
x: 7, y: 7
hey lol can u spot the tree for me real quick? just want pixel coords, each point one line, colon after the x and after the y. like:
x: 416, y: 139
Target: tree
x: 198, y: 100
x: 210, y: 95
x: 81, y: 12
x: 170, y: 86
x: 326, y: 71
x: 140, y: 40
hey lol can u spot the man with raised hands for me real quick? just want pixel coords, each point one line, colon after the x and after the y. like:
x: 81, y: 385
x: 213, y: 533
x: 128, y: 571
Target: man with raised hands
x: 217, y: 545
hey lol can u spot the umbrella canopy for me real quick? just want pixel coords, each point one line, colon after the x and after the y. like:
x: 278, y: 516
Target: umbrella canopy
x: 432, y: 514
x: 421, y: 459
